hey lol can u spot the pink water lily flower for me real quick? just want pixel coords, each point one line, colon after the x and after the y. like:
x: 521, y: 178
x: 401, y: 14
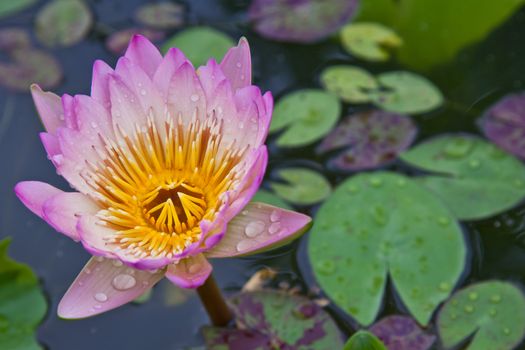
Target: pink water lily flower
x: 165, y: 160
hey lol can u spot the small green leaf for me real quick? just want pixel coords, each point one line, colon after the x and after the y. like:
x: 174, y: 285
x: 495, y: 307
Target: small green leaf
x: 199, y: 44
x: 473, y: 177
x: 369, y: 41
x: 375, y: 224
x: 363, y: 340
x: 270, y: 198
x: 162, y: 15
x: 307, y: 114
x: 9, y: 7
x: 63, y: 22
x: 406, y: 92
x: 22, y: 303
x: 492, y: 312
x: 350, y: 83
x: 302, y: 186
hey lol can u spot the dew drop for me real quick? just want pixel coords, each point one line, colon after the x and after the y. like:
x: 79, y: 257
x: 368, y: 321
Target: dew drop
x: 275, y: 216
x: 376, y: 182
x: 117, y: 263
x: 94, y: 125
x: 326, y: 267
x: 458, y: 148
x: 143, y: 92
x: 101, y: 297
x: 124, y: 282
x: 468, y: 309
x: 474, y: 163
x: 274, y: 228
x: 192, y: 269
x: 444, y: 287
x: 506, y: 331
x: 254, y: 228
x: 87, y: 271
x: 246, y: 244
x: 473, y: 296
x: 97, y: 306
x: 493, y: 312
x: 238, y: 65
x: 242, y: 77
x: 99, y: 259
x: 194, y: 97
x: 443, y: 221
x: 496, y: 298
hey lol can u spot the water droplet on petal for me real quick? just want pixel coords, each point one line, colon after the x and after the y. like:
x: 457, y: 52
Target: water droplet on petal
x: 99, y: 258
x: 275, y: 216
x: 117, y: 263
x: 94, y: 125
x: 254, y: 228
x: 238, y: 65
x: 194, y: 268
x: 124, y: 282
x: 143, y: 92
x: 246, y: 244
x: 97, y: 306
x: 194, y: 97
x: 101, y: 297
x: 274, y: 228
x: 242, y: 77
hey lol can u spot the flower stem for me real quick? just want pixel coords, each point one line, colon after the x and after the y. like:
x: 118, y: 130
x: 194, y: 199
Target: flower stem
x: 214, y: 303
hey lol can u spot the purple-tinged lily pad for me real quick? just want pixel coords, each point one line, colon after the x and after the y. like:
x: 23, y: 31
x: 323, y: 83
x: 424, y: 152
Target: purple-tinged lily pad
x: 162, y: 15
x: 14, y: 38
x: 234, y: 339
x: 30, y: 66
x: 63, y: 23
x: 401, y: 333
x: 300, y: 20
x: 117, y: 42
x: 373, y: 138
x: 504, y: 124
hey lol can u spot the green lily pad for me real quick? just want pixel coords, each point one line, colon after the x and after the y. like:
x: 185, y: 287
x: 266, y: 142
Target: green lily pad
x: 302, y: 186
x: 492, y: 313
x: 379, y: 223
x: 307, y: 115
x: 473, y: 177
x: 63, y: 22
x: 22, y: 303
x: 162, y: 15
x: 369, y: 41
x: 363, y: 340
x: 270, y: 198
x: 350, y: 83
x: 406, y: 92
x: 8, y: 8
x: 199, y: 44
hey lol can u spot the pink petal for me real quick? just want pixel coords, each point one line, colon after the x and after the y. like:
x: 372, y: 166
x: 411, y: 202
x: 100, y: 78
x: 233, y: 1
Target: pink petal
x: 144, y: 54
x: 260, y: 227
x: 34, y: 193
x: 103, y: 285
x: 100, y: 82
x: 92, y: 118
x: 49, y: 108
x: 185, y: 94
x: 52, y: 147
x: 190, y: 272
x: 237, y: 65
x: 62, y: 211
x: 252, y: 109
x: 170, y: 63
x: 126, y: 111
x: 70, y: 117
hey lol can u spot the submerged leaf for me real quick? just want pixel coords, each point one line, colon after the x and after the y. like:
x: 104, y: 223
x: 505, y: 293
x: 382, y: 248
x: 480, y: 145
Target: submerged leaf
x: 402, y: 333
x: 307, y: 114
x: 380, y: 223
x: 363, y: 340
x: 9, y: 7
x: 350, y: 83
x: 369, y: 41
x: 492, y: 312
x: 301, y: 186
x: 162, y: 15
x: 300, y: 21
x: 118, y: 41
x: 474, y: 178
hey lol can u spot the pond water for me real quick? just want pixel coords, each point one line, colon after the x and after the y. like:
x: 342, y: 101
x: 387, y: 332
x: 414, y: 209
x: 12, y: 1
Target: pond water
x: 480, y: 75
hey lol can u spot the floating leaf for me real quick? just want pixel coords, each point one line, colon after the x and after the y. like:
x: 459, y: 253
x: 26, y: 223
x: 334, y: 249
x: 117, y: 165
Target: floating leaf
x: 379, y: 223
x: 63, y: 22
x: 162, y: 15
x: 270, y: 198
x: 117, y: 42
x: 300, y: 21
x: 350, y: 83
x: 369, y: 41
x: 30, y: 66
x: 200, y: 44
x: 308, y: 115
x: 14, y: 39
x: 144, y: 297
x: 301, y: 186
x: 363, y: 340
x: 374, y: 138
x: 402, y: 333
x: 504, y: 124
x: 475, y: 178
x: 9, y: 7
x: 492, y: 312
x: 234, y: 339
x: 22, y: 303
x: 406, y: 93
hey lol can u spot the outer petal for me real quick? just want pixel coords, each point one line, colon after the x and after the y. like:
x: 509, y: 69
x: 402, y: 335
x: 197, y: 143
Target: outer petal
x: 190, y: 272
x: 34, y: 193
x: 103, y: 285
x: 52, y: 147
x: 99, y: 82
x: 252, y: 108
x: 144, y: 54
x: 63, y: 210
x: 237, y: 65
x: 258, y: 228
x: 49, y: 107
x: 173, y: 59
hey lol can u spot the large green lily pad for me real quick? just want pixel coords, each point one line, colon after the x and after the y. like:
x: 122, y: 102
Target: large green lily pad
x: 22, y: 303
x: 473, y: 177
x: 492, y: 312
x: 350, y: 83
x: 364, y: 340
x: 369, y: 41
x: 382, y: 223
x: 307, y: 116
x: 9, y: 7
x: 301, y: 186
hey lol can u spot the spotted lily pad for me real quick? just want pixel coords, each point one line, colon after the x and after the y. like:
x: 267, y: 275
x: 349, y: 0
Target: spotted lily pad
x: 350, y: 83
x: 14, y: 39
x: 374, y: 138
x: 363, y: 340
x: 380, y: 223
x: 275, y: 320
x: 369, y: 41
x: 504, y: 124
x: 406, y: 92
x: 22, y: 303
x: 270, y: 198
x: 492, y: 313
x: 402, y: 333
x: 162, y: 15
x: 117, y: 42
x: 63, y: 22
x: 301, y: 186
x: 300, y: 21
x: 307, y: 116
x: 8, y: 8
x: 473, y: 177
x: 200, y: 44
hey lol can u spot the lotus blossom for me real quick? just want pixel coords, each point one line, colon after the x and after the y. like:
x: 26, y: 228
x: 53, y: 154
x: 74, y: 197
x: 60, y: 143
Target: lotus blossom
x: 164, y: 160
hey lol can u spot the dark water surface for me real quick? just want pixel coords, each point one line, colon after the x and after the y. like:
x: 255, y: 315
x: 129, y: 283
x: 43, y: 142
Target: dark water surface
x: 481, y: 74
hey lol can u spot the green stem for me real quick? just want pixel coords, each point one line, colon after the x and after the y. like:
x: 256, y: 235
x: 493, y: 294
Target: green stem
x: 214, y: 303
